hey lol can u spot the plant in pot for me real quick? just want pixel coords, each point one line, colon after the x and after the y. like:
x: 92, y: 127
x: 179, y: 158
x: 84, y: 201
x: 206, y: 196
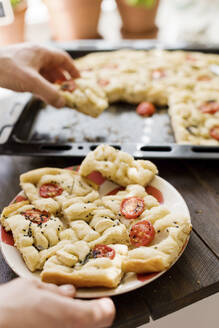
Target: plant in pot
x: 138, y: 16
x: 74, y: 19
x: 14, y: 32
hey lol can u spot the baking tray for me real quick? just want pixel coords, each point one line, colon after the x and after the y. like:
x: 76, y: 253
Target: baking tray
x: 43, y: 130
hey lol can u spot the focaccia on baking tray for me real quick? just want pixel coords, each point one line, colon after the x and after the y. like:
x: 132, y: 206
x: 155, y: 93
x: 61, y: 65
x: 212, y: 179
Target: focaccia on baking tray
x: 178, y: 79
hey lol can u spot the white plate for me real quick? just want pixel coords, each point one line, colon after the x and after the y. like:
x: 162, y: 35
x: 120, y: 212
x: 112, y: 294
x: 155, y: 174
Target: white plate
x: 171, y: 199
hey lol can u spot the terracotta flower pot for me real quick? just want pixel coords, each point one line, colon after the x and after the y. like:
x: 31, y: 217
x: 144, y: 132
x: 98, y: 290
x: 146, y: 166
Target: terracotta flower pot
x: 137, y: 19
x: 14, y: 33
x: 74, y: 19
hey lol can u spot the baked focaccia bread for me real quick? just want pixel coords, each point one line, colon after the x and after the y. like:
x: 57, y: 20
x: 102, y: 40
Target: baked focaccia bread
x: 33, y: 231
x: 49, y: 188
x: 72, y: 233
x: 85, y: 95
x: 157, y: 76
x: 195, y: 116
x: 81, y: 266
x: 46, y: 187
x: 168, y: 232
x: 118, y: 166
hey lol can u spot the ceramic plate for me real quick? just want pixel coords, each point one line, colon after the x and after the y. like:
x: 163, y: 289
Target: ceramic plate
x: 159, y: 188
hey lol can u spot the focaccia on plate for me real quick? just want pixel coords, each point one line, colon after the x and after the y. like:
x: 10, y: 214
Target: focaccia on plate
x: 76, y: 233
x: 118, y: 166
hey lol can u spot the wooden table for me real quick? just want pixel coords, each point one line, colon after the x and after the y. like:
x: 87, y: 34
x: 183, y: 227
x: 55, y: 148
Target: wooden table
x: 194, y: 277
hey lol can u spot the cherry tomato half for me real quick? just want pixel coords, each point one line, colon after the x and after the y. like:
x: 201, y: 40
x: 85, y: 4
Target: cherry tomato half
x: 103, y: 251
x: 68, y: 86
x: 50, y: 190
x: 158, y: 74
x: 210, y: 107
x: 214, y: 132
x: 145, y: 109
x: 36, y: 216
x: 142, y: 233
x: 20, y: 198
x: 132, y: 207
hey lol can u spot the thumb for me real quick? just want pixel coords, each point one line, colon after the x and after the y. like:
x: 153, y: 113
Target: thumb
x: 46, y: 91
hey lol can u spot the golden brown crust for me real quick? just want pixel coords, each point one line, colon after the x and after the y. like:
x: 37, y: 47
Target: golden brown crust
x: 60, y: 278
x: 9, y: 210
x: 144, y: 266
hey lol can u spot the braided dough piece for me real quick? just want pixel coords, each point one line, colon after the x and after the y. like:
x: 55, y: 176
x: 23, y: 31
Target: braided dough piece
x: 171, y: 234
x: 190, y: 125
x: 95, y: 272
x: 30, y: 237
x: 33, y: 180
x: 118, y: 166
x: 88, y: 97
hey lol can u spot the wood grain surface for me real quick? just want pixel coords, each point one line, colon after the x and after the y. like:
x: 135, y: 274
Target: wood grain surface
x: 196, y: 274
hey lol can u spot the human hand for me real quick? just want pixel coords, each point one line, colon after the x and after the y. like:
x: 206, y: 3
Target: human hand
x: 32, y: 68
x: 33, y: 304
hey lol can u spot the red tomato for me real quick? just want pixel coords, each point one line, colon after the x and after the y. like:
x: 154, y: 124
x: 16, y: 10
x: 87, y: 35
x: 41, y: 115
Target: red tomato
x: 210, y: 107
x: 50, y: 190
x: 145, y: 109
x: 36, y: 216
x: 103, y: 83
x: 104, y: 251
x: 142, y: 233
x: 204, y: 78
x: 156, y: 193
x: 191, y: 58
x: 214, y: 132
x: 158, y: 74
x: 68, y: 86
x: 132, y: 207
x: 20, y: 198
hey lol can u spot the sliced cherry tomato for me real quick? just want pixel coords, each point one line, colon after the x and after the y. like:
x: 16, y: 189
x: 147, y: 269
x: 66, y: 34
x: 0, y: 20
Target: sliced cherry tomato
x: 20, y: 198
x: 68, y: 86
x: 132, y: 207
x: 204, y: 78
x: 191, y: 58
x: 214, y: 132
x: 36, y: 216
x: 103, y: 251
x: 158, y: 74
x: 142, y: 233
x: 210, y: 107
x: 145, y: 109
x: 103, y: 83
x: 48, y: 190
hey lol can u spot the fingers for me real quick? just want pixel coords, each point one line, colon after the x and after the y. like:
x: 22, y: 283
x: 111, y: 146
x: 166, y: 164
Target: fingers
x: 96, y: 313
x: 67, y: 290
x: 64, y: 290
x: 67, y: 64
x: 53, y: 75
x: 45, y: 90
x: 104, y: 312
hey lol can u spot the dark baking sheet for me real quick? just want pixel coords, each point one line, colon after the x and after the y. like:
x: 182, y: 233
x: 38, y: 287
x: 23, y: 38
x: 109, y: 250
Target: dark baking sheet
x: 46, y: 131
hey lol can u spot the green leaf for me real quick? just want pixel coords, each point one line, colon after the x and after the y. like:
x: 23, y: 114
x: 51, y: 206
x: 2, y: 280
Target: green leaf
x: 145, y: 3
x: 14, y: 3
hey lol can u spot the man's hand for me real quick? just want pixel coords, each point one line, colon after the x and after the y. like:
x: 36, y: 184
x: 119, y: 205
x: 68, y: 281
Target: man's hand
x: 32, y: 304
x: 33, y: 68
